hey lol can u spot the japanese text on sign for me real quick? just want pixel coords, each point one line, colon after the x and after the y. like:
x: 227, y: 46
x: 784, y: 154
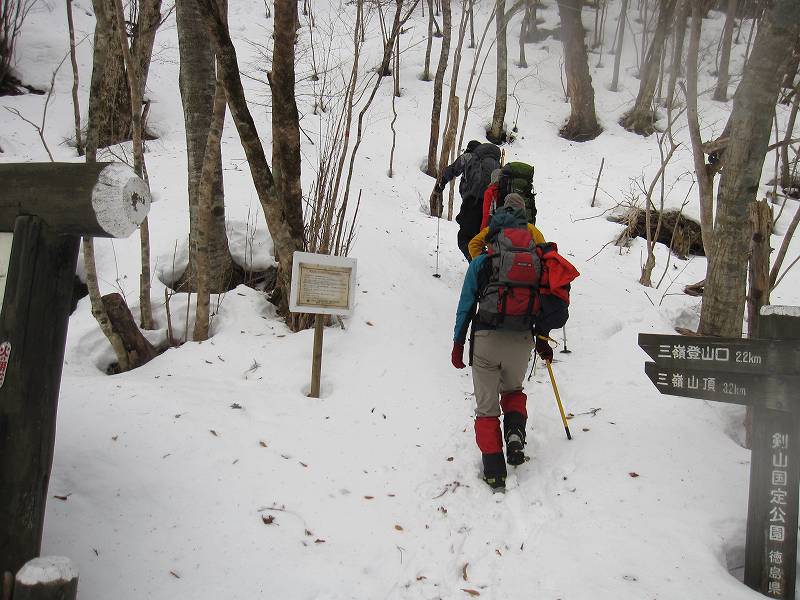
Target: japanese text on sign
x: 708, y: 353
x: 680, y: 381
x: 5, y: 355
x: 776, y: 526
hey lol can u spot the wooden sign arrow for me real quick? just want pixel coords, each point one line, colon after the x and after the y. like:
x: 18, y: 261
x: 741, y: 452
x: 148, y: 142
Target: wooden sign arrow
x: 777, y: 393
x: 737, y: 355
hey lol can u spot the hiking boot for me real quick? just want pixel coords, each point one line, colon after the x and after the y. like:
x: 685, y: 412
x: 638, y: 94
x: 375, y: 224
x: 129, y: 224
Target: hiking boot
x: 494, y: 471
x: 514, y: 430
x: 514, y: 449
x: 496, y: 482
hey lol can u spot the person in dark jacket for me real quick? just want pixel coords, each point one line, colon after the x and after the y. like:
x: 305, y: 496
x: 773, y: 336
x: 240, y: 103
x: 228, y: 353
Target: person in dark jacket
x: 499, y: 360
x: 474, y: 166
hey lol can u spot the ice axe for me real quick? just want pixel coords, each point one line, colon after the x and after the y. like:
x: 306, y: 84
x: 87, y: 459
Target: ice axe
x: 558, y: 399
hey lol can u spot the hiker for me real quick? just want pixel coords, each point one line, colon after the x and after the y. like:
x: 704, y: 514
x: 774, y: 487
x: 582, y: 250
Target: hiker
x: 513, y: 177
x: 504, y: 218
x: 475, y: 166
x: 509, y: 313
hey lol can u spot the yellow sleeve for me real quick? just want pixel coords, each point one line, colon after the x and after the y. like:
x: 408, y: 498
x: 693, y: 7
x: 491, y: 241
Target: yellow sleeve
x: 535, y: 234
x: 477, y: 243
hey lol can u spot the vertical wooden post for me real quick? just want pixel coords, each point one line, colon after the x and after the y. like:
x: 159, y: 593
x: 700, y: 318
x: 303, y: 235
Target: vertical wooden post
x: 33, y: 329
x: 316, y: 362
x: 771, y: 544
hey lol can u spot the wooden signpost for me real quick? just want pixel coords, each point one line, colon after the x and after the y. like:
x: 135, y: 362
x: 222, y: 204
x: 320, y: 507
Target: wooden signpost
x: 764, y: 374
x: 47, y: 206
x: 323, y: 285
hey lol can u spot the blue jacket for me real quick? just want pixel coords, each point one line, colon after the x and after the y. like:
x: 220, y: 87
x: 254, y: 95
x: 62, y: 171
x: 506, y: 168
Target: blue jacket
x: 469, y: 298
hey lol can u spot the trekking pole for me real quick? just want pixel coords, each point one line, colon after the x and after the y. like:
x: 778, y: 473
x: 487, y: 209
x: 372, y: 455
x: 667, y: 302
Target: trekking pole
x: 564, y: 337
x: 558, y: 399
x: 438, y: 218
x: 533, y: 366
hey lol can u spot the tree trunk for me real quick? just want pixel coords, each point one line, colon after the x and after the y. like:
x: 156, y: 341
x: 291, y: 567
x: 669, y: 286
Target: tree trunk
x: 582, y: 124
x: 623, y: 12
x: 197, y: 85
x: 135, y: 86
x: 523, y: 61
x: 758, y: 273
x: 285, y: 221
x: 497, y: 133
x: 438, y: 81
x: 678, y: 37
x: 751, y: 122
x: 723, y: 77
x: 641, y: 118
x: 109, y: 99
x: 74, y: 60
x: 144, y: 35
x: 704, y: 174
x: 285, y: 120
x: 426, y: 71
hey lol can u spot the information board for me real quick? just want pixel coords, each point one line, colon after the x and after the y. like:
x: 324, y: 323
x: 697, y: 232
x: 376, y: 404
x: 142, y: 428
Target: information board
x: 322, y: 284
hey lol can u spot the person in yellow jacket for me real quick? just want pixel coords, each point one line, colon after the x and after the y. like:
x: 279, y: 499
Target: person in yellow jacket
x: 508, y: 216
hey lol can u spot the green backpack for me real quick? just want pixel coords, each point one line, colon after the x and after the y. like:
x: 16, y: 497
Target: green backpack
x: 517, y: 177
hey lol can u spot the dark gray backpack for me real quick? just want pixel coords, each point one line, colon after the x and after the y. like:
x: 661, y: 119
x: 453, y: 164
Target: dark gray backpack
x: 478, y: 171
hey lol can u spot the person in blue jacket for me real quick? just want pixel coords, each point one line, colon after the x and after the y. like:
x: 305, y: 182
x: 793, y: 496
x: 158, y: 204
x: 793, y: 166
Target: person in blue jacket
x: 499, y: 360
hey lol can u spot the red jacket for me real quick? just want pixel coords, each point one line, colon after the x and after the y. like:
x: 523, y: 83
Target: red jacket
x: 489, y: 204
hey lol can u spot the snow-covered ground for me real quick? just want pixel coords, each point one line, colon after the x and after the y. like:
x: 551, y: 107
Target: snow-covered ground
x: 208, y: 473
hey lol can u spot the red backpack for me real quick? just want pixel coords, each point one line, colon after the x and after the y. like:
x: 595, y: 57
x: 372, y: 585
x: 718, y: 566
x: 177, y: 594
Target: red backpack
x: 528, y: 284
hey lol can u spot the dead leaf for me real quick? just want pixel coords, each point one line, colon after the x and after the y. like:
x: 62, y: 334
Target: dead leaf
x: 308, y: 533
x: 64, y: 497
x: 421, y: 578
x: 471, y: 592
x: 262, y: 443
x: 302, y: 463
x: 319, y: 541
x: 390, y: 495
x: 370, y: 323
x: 236, y: 405
x: 586, y: 429
x: 369, y: 497
x: 174, y: 574
x: 398, y: 527
x: 214, y: 433
x: 633, y: 474
x: 115, y: 437
x: 497, y: 551
x: 449, y: 459
x: 464, y: 572
x: 268, y: 519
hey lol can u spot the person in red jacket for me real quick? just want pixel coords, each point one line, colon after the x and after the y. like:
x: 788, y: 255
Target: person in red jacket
x: 490, y: 201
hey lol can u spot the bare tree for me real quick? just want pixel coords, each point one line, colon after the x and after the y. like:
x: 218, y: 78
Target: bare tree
x: 642, y: 117
x: 12, y: 16
x: 426, y: 71
x: 496, y: 132
x: 750, y: 125
x: 284, y: 220
x: 678, y: 37
x: 197, y: 82
x: 704, y: 173
x: 723, y: 77
x: 623, y: 16
x: 582, y: 124
x: 76, y: 108
x: 438, y: 82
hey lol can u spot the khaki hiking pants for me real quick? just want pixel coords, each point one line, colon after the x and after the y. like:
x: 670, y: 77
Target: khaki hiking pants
x: 499, y: 362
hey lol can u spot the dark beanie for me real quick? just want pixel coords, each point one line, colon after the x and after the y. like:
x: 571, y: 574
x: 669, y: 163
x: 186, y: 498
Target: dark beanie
x: 472, y: 145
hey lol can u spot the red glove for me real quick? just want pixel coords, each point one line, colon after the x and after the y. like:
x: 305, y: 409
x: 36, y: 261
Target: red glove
x: 457, y: 355
x: 544, y: 349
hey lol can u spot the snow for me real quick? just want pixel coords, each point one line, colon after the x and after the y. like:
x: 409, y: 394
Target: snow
x: 209, y: 472
x: 46, y: 569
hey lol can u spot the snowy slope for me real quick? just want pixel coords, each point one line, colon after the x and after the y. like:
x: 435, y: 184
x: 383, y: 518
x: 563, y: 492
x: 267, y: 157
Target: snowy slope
x: 209, y: 473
